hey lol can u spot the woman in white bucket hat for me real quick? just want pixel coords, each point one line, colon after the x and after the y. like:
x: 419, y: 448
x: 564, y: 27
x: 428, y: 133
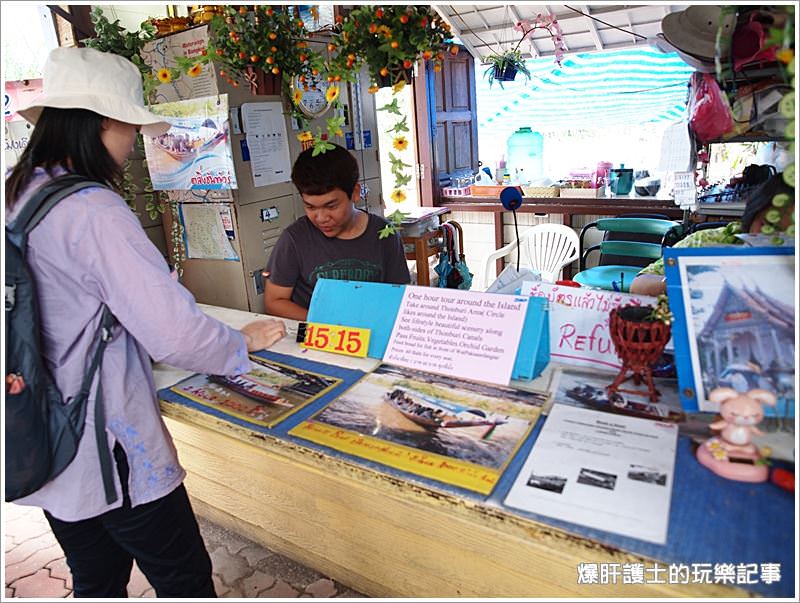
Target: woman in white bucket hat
x: 89, y: 251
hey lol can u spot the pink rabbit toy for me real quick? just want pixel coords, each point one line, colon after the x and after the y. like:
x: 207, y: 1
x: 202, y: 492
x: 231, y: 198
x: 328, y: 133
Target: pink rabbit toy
x: 732, y: 454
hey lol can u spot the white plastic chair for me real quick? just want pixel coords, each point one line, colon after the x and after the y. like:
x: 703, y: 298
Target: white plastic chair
x: 544, y: 247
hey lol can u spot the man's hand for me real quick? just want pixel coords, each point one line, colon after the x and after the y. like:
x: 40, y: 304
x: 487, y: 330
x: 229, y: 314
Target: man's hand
x: 261, y: 334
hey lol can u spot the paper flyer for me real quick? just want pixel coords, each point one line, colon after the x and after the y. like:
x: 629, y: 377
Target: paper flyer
x: 463, y: 334
x: 267, y: 142
x: 604, y: 471
x: 196, y: 152
x: 444, y: 429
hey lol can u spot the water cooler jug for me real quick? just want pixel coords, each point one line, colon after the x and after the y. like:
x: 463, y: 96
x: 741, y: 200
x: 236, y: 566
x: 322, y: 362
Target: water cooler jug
x: 525, y: 158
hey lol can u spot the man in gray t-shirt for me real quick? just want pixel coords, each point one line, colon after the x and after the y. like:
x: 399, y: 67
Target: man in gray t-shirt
x: 333, y: 240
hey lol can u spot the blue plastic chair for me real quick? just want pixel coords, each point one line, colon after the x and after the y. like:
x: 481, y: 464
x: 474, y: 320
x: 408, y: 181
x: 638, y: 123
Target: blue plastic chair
x: 618, y: 277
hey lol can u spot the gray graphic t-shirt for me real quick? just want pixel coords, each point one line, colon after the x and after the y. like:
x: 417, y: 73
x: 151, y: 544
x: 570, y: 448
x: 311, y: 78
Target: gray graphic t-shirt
x: 303, y: 255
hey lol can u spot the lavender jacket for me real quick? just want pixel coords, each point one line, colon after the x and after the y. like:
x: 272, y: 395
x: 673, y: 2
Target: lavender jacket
x: 91, y: 249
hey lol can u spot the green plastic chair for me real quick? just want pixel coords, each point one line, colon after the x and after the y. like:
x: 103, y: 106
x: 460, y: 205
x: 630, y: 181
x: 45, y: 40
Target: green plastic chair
x: 618, y: 277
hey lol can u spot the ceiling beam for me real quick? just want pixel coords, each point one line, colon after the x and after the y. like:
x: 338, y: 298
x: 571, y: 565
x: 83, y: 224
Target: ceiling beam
x: 457, y: 32
x: 598, y: 43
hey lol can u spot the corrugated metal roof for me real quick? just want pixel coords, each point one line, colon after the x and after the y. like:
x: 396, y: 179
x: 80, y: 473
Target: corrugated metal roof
x: 630, y: 87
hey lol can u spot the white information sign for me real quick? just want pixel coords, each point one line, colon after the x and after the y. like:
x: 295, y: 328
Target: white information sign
x: 458, y: 333
x: 267, y: 142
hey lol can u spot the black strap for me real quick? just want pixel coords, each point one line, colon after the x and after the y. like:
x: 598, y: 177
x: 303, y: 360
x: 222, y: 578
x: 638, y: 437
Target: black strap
x: 107, y: 321
x: 45, y: 197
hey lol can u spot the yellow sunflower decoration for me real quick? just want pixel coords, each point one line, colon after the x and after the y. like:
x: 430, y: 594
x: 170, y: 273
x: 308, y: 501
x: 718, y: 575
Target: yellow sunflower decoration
x: 332, y: 94
x: 400, y: 143
x: 305, y: 136
x: 297, y: 96
x: 398, y: 86
x: 164, y: 76
x: 194, y: 70
x: 398, y: 196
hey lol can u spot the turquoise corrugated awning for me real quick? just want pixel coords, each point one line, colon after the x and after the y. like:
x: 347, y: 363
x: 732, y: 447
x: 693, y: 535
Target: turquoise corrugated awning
x: 590, y: 90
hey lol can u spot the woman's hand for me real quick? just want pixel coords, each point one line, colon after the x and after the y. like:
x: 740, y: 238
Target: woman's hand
x: 262, y: 334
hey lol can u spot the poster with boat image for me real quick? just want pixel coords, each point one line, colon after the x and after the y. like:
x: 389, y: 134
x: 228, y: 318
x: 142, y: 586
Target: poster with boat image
x: 452, y: 431
x: 195, y: 153
x: 265, y: 396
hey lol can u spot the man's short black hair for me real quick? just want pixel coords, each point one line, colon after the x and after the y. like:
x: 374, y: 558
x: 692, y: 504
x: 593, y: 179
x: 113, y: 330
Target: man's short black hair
x: 317, y: 175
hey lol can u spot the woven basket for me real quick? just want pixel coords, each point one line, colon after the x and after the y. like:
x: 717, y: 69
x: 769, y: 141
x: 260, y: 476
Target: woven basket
x: 540, y: 191
x: 638, y: 343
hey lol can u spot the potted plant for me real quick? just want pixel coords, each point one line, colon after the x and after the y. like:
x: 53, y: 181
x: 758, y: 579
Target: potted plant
x: 504, y: 66
x: 639, y: 334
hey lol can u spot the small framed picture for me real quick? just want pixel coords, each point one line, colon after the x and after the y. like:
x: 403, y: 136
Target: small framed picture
x: 734, y: 322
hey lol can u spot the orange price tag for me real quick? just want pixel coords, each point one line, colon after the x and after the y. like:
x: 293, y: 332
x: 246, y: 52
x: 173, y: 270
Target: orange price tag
x: 350, y: 341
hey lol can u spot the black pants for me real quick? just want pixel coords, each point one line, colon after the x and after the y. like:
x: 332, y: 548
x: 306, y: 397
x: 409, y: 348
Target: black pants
x: 162, y: 536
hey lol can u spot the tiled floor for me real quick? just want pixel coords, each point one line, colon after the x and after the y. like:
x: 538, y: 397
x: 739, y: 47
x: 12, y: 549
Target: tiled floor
x: 35, y: 566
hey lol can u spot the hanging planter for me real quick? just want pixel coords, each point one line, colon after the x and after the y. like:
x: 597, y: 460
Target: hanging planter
x: 506, y: 73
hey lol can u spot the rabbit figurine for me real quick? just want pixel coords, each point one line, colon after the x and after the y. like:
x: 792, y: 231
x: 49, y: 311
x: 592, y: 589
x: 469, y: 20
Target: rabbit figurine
x: 732, y: 453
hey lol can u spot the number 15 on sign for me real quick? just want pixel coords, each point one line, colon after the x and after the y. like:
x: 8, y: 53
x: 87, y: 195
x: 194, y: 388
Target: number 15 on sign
x: 350, y: 341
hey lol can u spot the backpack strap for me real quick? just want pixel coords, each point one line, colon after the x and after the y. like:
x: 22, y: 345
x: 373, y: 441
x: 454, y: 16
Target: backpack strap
x: 37, y: 207
x: 45, y: 197
x: 107, y: 321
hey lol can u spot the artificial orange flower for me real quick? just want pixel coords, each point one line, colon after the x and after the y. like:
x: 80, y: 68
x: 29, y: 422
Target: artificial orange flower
x: 785, y: 55
x: 400, y: 143
x: 164, y: 76
x: 332, y: 94
x: 398, y: 196
x: 195, y: 70
x: 305, y: 136
x: 297, y: 97
x: 373, y: 89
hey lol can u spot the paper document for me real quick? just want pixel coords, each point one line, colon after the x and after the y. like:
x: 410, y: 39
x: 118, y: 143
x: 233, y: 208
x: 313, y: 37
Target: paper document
x: 676, y: 149
x: 267, y: 142
x: 604, y: 471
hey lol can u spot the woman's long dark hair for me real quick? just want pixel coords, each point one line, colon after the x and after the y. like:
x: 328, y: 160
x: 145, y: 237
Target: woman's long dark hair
x: 69, y: 138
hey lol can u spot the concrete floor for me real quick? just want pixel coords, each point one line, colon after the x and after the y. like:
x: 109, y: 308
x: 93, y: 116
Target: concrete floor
x: 35, y: 566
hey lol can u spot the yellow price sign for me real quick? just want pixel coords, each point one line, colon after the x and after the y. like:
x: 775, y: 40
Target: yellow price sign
x: 350, y: 341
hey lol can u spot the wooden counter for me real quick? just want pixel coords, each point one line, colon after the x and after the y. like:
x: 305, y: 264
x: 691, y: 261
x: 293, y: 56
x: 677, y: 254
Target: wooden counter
x: 568, y: 207
x: 372, y: 531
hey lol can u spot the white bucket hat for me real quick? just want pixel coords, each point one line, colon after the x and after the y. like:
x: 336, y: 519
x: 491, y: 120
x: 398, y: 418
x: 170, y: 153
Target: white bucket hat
x: 85, y: 78
x: 694, y: 30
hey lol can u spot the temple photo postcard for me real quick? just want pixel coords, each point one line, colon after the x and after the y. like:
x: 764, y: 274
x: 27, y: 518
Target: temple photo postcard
x: 734, y: 323
x: 449, y: 430
x: 265, y: 396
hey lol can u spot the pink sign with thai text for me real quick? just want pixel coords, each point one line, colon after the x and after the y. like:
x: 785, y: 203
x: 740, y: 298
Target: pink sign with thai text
x: 579, y: 332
